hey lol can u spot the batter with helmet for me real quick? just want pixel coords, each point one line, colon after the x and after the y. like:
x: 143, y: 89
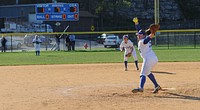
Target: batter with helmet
x: 128, y: 46
x: 149, y: 57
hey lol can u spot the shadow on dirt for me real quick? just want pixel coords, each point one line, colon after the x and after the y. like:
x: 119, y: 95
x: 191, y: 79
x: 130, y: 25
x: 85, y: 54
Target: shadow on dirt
x: 179, y: 96
x: 162, y: 72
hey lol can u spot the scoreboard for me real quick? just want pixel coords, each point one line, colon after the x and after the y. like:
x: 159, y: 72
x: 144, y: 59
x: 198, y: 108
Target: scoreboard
x: 57, y: 12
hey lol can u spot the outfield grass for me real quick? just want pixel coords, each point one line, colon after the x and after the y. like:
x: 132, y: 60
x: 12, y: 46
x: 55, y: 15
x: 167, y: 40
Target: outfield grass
x: 100, y: 56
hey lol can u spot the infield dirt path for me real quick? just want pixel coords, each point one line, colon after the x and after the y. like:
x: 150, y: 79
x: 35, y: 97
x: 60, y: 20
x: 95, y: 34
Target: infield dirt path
x: 98, y: 87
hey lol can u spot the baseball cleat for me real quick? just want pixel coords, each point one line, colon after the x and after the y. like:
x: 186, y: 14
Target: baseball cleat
x: 126, y: 69
x: 156, y: 89
x: 137, y: 90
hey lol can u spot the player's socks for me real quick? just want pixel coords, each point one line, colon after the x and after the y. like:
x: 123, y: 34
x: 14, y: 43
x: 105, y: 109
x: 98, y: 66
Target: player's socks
x: 142, y: 81
x: 136, y: 64
x: 152, y: 78
x: 125, y: 64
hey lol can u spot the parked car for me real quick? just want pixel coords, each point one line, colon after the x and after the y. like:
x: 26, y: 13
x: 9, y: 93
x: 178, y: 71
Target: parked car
x: 15, y: 44
x: 112, y: 41
x: 28, y: 40
x: 102, y: 37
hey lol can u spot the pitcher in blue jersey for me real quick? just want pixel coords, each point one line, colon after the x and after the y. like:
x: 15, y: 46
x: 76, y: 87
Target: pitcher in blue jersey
x: 149, y: 58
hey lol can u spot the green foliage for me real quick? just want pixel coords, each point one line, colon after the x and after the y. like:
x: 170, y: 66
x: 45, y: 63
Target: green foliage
x: 110, y: 8
x: 190, y: 8
x: 112, y: 11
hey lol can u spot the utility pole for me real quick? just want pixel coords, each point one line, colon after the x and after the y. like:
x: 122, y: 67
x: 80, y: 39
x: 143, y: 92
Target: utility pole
x: 156, y: 11
x: 17, y: 2
x: 54, y: 1
x: 156, y: 15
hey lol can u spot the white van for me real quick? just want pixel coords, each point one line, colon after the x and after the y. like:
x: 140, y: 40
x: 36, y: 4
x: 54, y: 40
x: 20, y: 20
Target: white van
x: 112, y: 41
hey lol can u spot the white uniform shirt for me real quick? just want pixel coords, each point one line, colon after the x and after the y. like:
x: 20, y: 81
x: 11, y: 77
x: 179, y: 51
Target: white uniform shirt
x: 127, y: 46
x: 37, y: 43
x: 145, y: 49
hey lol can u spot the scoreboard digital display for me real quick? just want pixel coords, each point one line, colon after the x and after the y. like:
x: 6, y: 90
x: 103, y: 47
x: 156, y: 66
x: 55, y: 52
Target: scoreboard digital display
x: 57, y: 12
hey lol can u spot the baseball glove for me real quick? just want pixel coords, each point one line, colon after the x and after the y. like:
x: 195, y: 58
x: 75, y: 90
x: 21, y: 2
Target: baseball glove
x: 128, y: 55
x: 154, y: 27
x: 37, y: 42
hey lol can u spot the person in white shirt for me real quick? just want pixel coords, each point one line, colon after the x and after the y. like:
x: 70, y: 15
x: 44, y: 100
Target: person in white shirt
x: 149, y: 58
x: 37, y: 42
x: 128, y: 46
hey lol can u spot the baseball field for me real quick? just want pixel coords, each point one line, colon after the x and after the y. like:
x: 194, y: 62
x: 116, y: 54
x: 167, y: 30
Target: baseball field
x: 96, y: 80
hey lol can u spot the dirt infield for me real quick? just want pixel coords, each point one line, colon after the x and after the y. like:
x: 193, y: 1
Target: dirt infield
x: 98, y: 87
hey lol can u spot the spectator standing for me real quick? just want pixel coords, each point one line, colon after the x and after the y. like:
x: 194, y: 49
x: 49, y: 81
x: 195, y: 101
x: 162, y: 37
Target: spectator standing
x: 37, y: 42
x: 72, y: 41
x: 3, y: 44
x: 57, y: 42
x: 68, y: 43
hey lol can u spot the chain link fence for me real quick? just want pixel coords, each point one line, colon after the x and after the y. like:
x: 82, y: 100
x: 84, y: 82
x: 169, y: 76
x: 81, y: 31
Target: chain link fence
x: 98, y: 41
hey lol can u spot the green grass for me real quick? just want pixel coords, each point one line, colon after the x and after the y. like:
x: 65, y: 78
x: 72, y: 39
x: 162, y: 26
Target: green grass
x: 99, y: 56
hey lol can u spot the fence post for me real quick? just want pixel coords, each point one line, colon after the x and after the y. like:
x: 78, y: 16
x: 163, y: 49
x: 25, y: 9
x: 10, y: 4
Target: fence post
x: 168, y: 39
x: 63, y: 38
x: 46, y: 47
x: 11, y: 44
x: 174, y: 40
x: 47, y: 40
x: 195, y: 40
x: 90, y: 43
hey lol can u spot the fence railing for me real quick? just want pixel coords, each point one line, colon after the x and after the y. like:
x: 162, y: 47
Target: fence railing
x: 165, y: 39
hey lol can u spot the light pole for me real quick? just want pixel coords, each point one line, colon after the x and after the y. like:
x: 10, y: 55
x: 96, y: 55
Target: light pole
x: 17, y: 2
x: 54, y: 1
x: 156, y: 14
x: 156, y: 11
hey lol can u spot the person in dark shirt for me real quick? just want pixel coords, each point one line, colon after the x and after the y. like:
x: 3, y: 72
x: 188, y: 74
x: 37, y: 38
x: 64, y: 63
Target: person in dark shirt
x: 3, y: 44
x: 72, y: 40
x: 68, y: 43
x: 58, y: 42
